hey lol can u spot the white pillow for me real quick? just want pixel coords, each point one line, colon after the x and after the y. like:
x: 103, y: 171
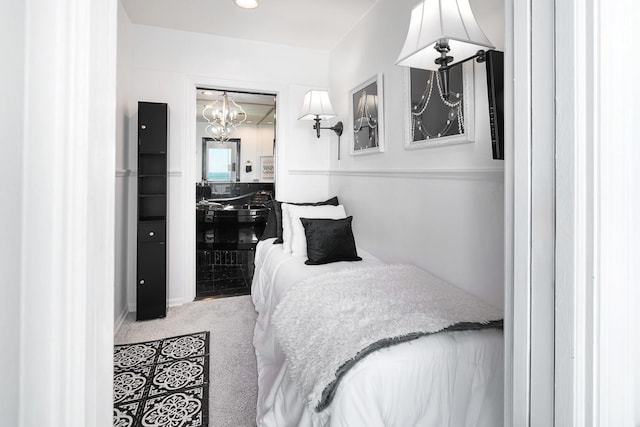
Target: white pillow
x: 298, y: 238
x: 286, y: 228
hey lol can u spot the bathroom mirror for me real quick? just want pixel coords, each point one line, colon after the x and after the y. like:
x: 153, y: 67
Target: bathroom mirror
x: 239, y: 158
x: 220, y: 160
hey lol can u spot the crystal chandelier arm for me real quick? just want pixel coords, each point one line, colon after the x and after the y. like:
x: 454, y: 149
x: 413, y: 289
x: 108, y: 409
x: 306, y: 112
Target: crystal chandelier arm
x: 239, y: 111
x: 224, y: 116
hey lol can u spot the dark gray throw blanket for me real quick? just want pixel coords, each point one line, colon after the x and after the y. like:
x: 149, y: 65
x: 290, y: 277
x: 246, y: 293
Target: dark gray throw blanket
x: 328, y: 323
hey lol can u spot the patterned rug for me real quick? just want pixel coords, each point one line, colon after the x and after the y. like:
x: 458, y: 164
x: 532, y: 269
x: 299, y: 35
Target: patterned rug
x: 162, y: 383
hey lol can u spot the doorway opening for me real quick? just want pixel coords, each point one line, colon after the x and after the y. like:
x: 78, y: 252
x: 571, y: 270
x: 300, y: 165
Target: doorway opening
x: 236, y: 181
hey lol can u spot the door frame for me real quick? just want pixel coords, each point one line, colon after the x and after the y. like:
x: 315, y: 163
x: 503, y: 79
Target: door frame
x: 68, y: 204
x: 190, y: 175
x: 595, y: 240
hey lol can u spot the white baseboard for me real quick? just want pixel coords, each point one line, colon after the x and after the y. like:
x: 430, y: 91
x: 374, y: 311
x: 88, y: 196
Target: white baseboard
x: 120, y: 320
x: 173, y: 302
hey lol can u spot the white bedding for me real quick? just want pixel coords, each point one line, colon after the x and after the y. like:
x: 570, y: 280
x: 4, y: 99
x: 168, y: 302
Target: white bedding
x: 448, y: 379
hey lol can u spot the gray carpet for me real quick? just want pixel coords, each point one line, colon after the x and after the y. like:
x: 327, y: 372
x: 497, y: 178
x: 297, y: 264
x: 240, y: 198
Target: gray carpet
x: 232, y: 363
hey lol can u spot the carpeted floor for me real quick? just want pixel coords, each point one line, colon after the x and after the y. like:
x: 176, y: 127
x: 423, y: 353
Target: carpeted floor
x: 232, y: 363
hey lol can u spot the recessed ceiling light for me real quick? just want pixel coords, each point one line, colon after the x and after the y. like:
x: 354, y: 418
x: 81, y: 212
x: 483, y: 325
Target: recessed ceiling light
x: 247, y: 4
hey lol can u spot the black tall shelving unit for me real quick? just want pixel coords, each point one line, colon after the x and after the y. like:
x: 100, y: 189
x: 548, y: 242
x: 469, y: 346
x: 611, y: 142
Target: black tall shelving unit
x: 151, y: 287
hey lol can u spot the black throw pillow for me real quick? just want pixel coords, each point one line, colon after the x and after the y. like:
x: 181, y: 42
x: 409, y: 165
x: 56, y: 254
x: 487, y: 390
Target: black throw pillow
x: 277, y: 209
x: 271, y: 227
x: 329, y: 240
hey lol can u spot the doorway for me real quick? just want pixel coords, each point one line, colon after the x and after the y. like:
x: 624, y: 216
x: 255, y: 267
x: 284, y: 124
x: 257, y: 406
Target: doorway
x: 235, y: 143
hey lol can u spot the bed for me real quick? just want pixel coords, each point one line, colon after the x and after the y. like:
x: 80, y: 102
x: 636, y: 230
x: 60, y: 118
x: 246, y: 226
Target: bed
x: 450, y: 378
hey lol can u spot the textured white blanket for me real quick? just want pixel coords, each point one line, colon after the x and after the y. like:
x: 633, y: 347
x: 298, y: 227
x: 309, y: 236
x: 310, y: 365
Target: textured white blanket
x: 327, y: 323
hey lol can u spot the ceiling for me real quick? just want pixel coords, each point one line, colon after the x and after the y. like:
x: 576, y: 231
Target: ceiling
x: 310, y: 24
x: 260, y: 108
x: 314, y: 24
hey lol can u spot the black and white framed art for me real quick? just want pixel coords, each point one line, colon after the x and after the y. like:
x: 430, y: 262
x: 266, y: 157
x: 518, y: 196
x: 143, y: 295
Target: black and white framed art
x: 433, y: 119
x: 366, y: 105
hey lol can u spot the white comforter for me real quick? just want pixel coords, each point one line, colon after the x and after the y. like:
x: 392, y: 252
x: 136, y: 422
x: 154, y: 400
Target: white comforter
x: 449, y: 379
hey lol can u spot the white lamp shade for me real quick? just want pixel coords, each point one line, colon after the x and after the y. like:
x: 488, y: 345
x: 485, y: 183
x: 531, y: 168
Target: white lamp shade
x: 316, y: 103
x: 435, y: 20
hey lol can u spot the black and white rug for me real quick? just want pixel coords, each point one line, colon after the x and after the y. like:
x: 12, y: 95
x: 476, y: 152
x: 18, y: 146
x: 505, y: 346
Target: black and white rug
x: 162, y: 383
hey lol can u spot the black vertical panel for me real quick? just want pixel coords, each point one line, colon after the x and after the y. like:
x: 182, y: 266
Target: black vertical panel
x: 495, y: 92
x: 151, y: 283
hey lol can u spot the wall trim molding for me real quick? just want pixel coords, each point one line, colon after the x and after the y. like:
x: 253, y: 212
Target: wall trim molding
x: 439, y: 173
x: 174, y: 174
x: 309, y: 172
x: 123, y: 173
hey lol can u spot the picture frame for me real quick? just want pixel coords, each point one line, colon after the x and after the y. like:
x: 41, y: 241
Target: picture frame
x: 366, y: 113
x: 426, y: 112
x: 267, y: 168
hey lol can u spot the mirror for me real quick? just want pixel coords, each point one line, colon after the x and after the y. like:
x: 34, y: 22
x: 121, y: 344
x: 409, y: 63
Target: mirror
x: 220, y: 160
x: 251, y: 144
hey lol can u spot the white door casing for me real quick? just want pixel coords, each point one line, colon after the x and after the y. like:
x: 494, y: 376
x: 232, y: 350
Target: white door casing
x: 68, y: 199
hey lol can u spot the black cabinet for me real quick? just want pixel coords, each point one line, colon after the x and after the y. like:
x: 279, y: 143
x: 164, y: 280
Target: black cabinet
x: 151, y: 288
x: 151, y: 283
x: 152, y: 127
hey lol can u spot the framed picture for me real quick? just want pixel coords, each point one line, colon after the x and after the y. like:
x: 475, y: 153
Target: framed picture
x: 366, y: 105
x: 266, y: 168
x: 433, y: 119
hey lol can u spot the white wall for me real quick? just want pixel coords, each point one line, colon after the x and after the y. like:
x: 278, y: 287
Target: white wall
x: 123, y: 168
x: 440, y: 208
x: 12, y: 18
x: 255, y: 141
x: 634, y: 250
x: 634, y: 336
x: 166, y: 66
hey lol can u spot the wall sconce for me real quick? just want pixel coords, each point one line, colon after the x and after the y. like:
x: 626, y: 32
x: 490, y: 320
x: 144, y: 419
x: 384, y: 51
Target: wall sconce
x: 317, y: 107
x: 438, y: 27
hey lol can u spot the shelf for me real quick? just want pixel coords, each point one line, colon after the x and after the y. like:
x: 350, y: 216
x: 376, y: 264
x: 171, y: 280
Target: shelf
x: 151, y: 288
x: 152, y: 206
x: 152, y: 218
x: 149, y: 185
x: 148, y: 165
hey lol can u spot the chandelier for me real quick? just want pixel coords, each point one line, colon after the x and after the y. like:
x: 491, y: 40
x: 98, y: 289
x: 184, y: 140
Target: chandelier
x: 224, y: 116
